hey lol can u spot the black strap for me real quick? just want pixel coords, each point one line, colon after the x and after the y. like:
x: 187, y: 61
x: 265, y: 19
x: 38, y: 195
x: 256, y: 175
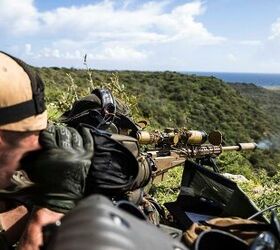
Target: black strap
x: 108, y: 105
x: 17, y: 112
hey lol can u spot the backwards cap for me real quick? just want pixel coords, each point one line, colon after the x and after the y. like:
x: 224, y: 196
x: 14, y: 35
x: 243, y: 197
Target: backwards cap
x: 22, y: 105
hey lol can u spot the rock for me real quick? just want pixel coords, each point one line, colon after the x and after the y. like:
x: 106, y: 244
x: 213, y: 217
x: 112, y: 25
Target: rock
x: 236, y: 177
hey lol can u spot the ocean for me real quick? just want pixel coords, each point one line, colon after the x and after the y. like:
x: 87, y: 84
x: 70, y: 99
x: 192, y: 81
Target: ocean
x: 260, y: 79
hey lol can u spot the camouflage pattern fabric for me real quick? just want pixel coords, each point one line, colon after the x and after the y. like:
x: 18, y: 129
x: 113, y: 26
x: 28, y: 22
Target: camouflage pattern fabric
x: 245, y: 229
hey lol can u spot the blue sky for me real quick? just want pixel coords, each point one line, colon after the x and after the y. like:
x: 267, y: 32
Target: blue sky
x: 198, y: 35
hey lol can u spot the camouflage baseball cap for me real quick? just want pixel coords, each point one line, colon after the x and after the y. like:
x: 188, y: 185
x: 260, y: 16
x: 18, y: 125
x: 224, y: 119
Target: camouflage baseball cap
x: 22, y: 105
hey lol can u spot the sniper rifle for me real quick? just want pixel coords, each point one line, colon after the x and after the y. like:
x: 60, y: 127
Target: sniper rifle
x: 171, y: 147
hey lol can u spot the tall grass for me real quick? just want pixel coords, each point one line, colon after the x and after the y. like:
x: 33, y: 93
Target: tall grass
x: 59, y: 100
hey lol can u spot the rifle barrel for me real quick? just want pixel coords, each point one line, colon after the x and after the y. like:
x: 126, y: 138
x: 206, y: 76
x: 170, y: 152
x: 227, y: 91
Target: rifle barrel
x: 177, y: 157
x: 241, y: 146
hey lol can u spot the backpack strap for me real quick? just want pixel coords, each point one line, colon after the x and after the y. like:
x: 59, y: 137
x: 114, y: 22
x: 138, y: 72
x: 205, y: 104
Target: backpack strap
x: 108, y: 104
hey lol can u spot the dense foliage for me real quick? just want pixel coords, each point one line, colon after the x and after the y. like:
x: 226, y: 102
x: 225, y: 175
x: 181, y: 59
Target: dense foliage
x: 169, y: 99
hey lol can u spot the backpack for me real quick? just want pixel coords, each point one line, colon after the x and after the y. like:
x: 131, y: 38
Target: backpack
x: 114, y: 135
x: 102, y: 111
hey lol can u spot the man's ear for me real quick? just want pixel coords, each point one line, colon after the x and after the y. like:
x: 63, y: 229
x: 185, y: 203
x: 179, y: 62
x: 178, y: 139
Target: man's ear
x: 1, y: 138
x: 3, y: 141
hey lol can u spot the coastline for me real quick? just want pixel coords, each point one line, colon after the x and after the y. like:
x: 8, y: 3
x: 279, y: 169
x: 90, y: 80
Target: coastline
x: 273, y: 88
x: 267, y: 81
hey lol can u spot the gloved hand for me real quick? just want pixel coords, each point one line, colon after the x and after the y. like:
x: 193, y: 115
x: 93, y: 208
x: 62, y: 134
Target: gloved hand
x: 59, y: 170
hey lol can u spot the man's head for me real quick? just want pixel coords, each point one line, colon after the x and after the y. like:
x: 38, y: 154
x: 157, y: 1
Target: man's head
x: 22, y: 106
x: 22, y: 113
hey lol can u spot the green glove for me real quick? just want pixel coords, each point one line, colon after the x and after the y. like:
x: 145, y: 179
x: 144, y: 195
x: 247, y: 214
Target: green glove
x: 59, y: 170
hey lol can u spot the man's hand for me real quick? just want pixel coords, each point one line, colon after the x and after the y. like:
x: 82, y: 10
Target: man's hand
x: 13, y: 223
x: 59, y: 170
x: 32, y: 237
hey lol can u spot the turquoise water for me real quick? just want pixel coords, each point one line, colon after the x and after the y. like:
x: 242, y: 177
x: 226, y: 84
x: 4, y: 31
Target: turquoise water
x: 264, y: 80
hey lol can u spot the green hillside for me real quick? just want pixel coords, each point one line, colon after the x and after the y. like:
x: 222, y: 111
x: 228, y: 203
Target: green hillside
x: 177, y: 100
x: 267, y: 99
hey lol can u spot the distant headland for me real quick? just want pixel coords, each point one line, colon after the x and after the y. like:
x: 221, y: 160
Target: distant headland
x: 270, y: 81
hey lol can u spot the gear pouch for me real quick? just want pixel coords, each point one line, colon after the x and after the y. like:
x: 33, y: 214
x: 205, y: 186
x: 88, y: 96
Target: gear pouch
x: 114, y: 167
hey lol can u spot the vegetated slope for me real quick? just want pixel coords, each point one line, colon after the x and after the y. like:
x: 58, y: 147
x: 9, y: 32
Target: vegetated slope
x: 207, y: 103
x: 267, y: 99
x: 176, y: 100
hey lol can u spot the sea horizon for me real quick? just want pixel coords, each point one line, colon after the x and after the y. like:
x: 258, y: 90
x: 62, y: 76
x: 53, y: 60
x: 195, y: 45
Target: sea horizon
x: 266, y: 80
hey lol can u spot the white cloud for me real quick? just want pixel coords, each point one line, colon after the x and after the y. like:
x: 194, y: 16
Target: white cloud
x: 119, y: 53
x: 103, y: 21
x: 231, y: 57
x: 275, y: 30
x: 18, y: 17
x: 104, y: 29
x: 251, y: 42
x: 109, y: 53
x: 56, y: 53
